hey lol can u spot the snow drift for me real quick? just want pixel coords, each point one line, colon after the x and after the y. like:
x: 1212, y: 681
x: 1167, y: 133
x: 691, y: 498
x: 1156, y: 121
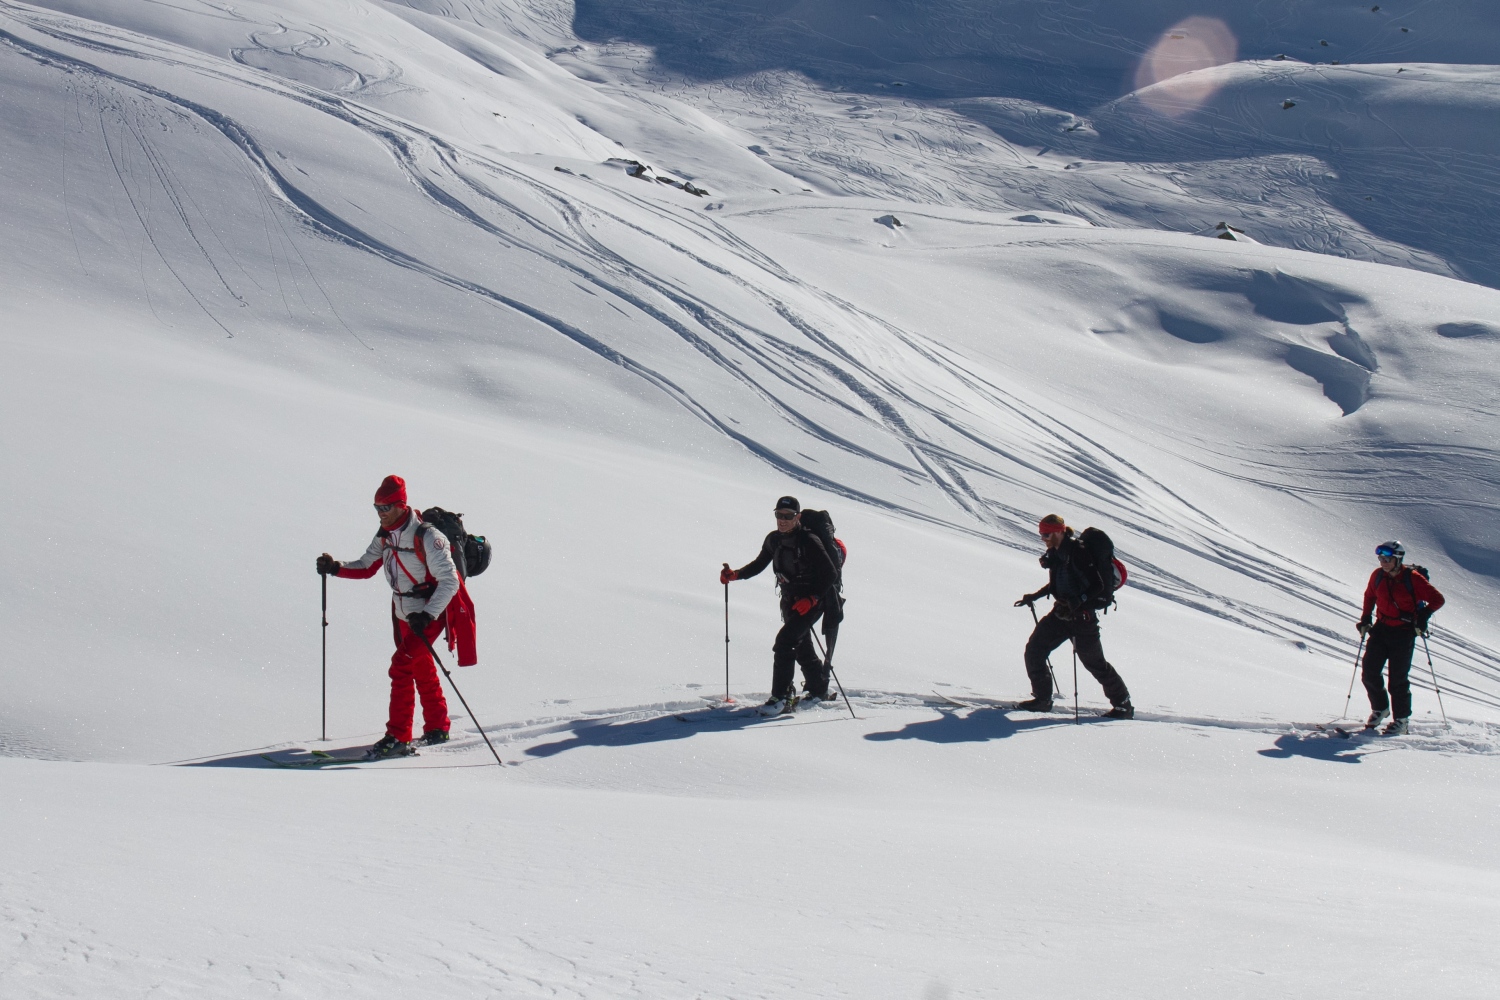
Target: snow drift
x: 610, y: 278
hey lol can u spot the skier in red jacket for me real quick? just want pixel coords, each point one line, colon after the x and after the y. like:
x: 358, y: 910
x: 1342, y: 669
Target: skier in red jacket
x: 428, y: 595
x: 1401, y: 601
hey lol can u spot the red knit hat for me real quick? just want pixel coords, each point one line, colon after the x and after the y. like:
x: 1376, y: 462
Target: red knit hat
x: 1051, y: 524
x: 392, y: 490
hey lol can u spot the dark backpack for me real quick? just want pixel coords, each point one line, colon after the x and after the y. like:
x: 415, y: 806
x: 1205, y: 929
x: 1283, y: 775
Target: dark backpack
x: 820, y: 523
x: 1107, y: 573
x: 471, y: 553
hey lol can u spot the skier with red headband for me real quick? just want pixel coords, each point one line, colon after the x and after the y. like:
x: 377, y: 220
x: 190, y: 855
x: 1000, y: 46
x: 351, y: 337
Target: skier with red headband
x: 1400, y: 600
x: 1079, y: 589
x: 428, y: 596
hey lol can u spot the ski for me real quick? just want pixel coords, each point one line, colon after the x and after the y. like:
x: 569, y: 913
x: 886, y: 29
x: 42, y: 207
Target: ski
x: 318, y: 758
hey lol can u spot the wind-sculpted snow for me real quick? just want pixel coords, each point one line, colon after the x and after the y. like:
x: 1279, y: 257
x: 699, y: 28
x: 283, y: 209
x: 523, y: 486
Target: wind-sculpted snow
x: 915, y: 370
x: 609, y: 278
x: 1032, y: 105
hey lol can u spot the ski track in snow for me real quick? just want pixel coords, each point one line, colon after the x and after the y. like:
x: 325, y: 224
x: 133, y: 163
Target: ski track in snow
x: 913, y: 399
x: 244, y: 229
x: 965, y: 718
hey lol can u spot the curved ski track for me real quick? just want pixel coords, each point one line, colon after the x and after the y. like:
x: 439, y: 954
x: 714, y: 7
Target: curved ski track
x: 965, y: 434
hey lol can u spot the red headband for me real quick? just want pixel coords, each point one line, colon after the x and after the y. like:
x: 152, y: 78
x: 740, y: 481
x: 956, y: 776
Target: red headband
x: 1051, y: 528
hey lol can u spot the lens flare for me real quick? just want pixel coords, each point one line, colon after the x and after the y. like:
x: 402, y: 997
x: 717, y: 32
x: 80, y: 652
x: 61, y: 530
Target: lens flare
x: 1199, y: 43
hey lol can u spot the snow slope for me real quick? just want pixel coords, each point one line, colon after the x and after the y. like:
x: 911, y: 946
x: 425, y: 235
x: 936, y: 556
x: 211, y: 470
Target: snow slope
x: 257, y: 256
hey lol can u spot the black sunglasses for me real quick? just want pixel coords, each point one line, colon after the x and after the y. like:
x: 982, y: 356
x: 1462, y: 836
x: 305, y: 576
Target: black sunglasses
x: 786, y: 515
x: 385, y: 508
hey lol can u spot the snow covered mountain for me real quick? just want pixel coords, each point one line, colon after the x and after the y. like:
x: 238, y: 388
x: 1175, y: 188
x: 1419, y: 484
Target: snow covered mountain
x: 609, y: 277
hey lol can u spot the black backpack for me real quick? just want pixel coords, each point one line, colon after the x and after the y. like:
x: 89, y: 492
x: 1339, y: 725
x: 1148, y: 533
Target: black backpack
x: 1106, y: 573
x: 471, y: 553
x: 820, y: 523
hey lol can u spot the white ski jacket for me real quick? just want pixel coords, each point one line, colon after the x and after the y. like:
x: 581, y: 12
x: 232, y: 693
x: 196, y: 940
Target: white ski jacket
x: 416, y: 585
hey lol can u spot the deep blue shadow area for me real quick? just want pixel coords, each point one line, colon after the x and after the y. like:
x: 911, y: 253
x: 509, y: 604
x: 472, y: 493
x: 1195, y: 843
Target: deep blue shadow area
x: 1070, y: 54
x: 1319, y: 746
x: 665, y: 728
x: 1428, y: 192
x: 978, y: 726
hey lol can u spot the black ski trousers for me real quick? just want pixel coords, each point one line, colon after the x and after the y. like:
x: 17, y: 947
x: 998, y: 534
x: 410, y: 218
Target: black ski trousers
x: 1083, y: 628
x: 1390, y: 646
x: 794, y: 644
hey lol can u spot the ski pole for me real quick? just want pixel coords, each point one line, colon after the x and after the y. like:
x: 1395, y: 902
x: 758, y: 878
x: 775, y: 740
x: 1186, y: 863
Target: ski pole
x: 727, y: 699
x: 324, y: 578
x: 1357, y: 656
x: 828, y: 662
x: 1435, y: 688
x: 462, y: 700
x: 1055, y: 686
x: 1075, y: 681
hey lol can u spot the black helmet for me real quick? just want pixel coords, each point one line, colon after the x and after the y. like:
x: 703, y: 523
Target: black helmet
x: 1390, y: 549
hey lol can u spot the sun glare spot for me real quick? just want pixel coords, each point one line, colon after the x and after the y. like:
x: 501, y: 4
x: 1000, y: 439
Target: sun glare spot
x: 1198, y: 43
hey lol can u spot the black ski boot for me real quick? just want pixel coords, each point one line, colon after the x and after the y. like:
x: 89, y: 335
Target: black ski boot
x: 1035, y: 705
x: 1124, y: 710
x: 389, y: 746
x: 433, y: 737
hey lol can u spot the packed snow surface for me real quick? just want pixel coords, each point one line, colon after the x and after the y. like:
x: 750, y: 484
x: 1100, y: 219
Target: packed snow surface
x: 609, y: 277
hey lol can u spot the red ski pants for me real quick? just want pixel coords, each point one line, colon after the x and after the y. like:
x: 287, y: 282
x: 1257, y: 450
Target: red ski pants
x: 412, y: 668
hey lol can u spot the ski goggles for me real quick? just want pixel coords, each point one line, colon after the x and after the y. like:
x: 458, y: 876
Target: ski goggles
x: 1387, y: 552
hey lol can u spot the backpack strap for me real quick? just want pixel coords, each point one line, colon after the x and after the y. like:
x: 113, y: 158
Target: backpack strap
x: 417, y: 548
x: 422, y: 526
x: 1416, y: 605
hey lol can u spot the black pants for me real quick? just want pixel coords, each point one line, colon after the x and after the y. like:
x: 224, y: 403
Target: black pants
x: 1083, y: 628
x: 794, y: 644
x: 1390, y: 646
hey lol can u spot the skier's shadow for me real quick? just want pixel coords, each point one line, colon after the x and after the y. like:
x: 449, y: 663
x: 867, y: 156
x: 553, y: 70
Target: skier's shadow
x: 1318, y: 746
x: 262, y: 759
x: 977, y: 726
x: 661, y: 729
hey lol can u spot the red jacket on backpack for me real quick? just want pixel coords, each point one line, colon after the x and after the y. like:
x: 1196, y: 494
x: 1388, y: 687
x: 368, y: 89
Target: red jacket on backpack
x: 1395, y: 599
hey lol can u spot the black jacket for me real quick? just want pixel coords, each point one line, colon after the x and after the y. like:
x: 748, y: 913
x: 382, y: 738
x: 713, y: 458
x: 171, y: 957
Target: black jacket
x: 803, y: 567
x: 1074, y: 580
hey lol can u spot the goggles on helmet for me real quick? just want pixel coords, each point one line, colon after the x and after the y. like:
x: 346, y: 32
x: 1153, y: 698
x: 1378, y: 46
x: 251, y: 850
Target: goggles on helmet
x: 1390, y: 550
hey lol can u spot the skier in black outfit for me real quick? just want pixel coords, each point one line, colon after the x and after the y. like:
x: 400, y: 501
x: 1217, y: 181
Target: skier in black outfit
x: 1077, y: 587
x: 808, y: 579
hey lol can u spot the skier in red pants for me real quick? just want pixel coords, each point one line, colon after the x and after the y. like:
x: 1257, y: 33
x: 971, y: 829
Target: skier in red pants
x: 424, y: 582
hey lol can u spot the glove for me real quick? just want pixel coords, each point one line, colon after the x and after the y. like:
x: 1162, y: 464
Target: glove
x: 419, y: 622
x: 1421, y: 621
x: 726, y: 574
x: 1026, y: 601
x: 803, y: 605
x: 327, y: 565
x: 1362, y: 626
